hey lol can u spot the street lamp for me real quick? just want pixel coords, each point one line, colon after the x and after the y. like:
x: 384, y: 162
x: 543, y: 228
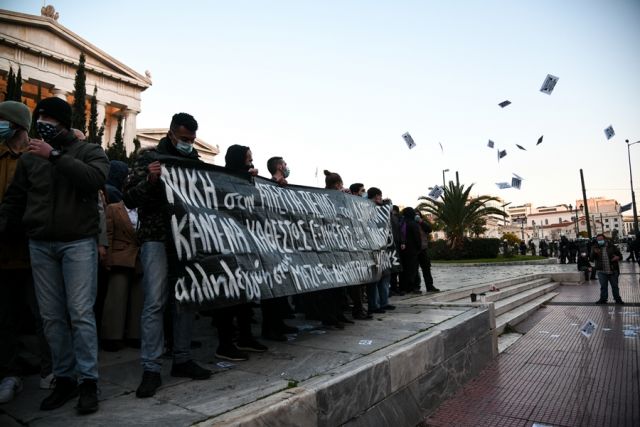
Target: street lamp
x: 633, y: 194
x: 444, y: 184
x: 523, y: 220
x: 574, y: 218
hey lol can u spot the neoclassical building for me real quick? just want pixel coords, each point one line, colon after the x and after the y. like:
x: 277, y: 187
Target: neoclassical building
x: 48, y: 55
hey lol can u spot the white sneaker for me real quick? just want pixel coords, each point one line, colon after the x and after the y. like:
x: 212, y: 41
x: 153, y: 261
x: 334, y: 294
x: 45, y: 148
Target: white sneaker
x: 9, y: 387
x: 48, y: 382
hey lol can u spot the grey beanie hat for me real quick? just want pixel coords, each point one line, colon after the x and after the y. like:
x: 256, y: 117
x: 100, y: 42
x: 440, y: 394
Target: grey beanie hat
x: 16, y: 112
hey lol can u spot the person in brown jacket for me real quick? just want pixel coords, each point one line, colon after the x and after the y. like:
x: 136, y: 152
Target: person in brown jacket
x: 123, y: 302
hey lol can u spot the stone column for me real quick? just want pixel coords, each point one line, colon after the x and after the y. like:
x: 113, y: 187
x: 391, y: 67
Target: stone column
x: 129, y: 129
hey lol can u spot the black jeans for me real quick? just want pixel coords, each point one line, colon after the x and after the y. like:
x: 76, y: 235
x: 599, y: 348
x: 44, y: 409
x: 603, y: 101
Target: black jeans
x: 425, y: 265
x: 409, y: 272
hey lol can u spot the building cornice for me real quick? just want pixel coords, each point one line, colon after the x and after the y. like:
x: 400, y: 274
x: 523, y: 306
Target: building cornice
x: 128, y: 75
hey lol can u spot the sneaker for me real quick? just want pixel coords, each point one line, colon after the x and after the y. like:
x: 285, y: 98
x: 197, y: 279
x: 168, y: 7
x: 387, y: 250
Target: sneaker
x: 190, y: 369
x: 150, y: 383
x: 251, y: 345
x: 9, y: 387
x: 231, y: 352
x: 342, y: 318
x: 378, y: 311
x: 601, y: 301
x: 416, y: 292
x: 48, y: 382
x: 64, y: 390
x: 432, y: 289
x: 88, y: 401
x: 389, y: 307
x: 619, y: 302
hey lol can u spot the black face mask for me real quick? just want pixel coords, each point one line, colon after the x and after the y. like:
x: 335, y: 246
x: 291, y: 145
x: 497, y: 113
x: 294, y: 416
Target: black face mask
x: 247, y: 167
x: 46, y: 130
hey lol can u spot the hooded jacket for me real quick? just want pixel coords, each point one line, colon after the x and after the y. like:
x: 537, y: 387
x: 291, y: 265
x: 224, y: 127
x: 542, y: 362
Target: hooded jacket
x: 150, y: 198
x: 235, y: 158
x: 57, y: 201
x: 118, y: 172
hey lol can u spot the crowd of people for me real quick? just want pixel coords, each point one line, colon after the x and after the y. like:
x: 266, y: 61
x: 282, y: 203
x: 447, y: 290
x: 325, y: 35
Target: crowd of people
x: 84, y: 254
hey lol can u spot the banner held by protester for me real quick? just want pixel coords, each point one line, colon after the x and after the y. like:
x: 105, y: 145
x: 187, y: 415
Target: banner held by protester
x: 235, y: 239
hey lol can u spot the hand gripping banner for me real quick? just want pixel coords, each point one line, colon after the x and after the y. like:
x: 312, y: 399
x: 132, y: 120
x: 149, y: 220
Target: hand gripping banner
x: 235, y: 238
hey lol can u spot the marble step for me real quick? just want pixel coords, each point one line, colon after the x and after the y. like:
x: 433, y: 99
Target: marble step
x: 508, y: 304
x: 510, y: 290
x: 521, y: 312
x: 462, y: 294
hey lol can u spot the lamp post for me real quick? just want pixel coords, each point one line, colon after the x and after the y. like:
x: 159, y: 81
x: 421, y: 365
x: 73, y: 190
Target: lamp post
x: 633, y: 194
x: 522, y: 221
x: 444, y: 183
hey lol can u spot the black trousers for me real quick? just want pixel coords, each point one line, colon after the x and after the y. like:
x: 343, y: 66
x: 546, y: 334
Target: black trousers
x: 409, y: 272
x: 425, y: 265
x: 224, y: 321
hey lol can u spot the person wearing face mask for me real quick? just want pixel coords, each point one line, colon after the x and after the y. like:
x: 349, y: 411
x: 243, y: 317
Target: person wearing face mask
x: 16, y: 286
x: 584, y: 265
x: 144, y: 191
x: 54, y: 195
x: 607, y: 256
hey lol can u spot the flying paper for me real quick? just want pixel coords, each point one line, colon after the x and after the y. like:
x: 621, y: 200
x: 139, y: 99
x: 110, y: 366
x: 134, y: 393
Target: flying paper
x: 441, y: 149
x: 609, y: 132
x: 540, y: 140
x: 435, y: 192
x: 504, y: 103
x: 408, y: 140
x: 521, y: 147
x: 516, y: 182
x: 548, y: 84
x: 501, y: 154
x: 588, y: 328
x: 490, y: 144
x: 503, y: 185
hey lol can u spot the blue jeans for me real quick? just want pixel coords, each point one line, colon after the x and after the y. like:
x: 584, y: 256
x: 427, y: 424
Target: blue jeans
x: 605, y: 279
x: 65, y: 278
x: 378, y: 293
x: 156, y: 290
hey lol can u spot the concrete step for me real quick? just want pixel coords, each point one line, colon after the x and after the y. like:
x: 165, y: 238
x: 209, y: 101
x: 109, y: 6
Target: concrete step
x: 521, y: 312
x: 462, y: 294
x: 511, y: 290
x: 504, y: 305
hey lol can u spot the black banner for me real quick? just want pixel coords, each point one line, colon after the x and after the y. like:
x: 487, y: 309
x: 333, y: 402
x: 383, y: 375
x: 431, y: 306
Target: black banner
x: 240, y: 239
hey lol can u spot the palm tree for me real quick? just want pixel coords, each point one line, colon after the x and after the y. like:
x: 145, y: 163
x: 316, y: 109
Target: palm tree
x: 457, y: 212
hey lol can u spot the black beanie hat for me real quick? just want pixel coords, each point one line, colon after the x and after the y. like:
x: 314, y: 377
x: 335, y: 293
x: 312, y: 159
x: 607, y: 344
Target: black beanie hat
x: 57, y: 108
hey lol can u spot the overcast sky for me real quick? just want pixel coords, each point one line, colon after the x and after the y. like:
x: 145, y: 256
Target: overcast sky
x: 334, y: 84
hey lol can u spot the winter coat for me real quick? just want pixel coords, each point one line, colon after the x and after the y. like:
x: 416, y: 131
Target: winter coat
x: 57, y: 201
x: 610, y: 250
x: 150, y: 198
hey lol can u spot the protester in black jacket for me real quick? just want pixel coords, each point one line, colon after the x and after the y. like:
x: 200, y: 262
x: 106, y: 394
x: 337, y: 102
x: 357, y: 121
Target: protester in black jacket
x: 607, y: 257
x: 410, y: 247
x: 54, y: 195
x: 145, y: 191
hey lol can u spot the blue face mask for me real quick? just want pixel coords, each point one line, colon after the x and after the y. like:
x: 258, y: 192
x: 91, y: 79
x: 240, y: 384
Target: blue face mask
x: 364, y: 195
x: 184, y: 147
x: 5, y: 130
x: 286, y: 172
x: 601, y: 242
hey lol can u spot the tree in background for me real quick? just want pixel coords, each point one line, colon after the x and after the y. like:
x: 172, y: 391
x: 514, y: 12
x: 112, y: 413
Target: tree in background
x: 134, y: 154
x: 17, y: 88
x: 92, y: 130
x: 511, y: 238
x: 478, y: 227
x: 458, y: 212
x: 33, y: 133
x: 11, y: 83
x: 116, y: 150
x: 78, y: 110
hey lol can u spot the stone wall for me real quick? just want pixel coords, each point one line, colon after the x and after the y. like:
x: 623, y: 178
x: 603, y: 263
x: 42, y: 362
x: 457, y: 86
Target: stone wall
x: 399, y: 385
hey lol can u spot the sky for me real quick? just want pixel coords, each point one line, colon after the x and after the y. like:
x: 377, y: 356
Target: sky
x: 334, y: 84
